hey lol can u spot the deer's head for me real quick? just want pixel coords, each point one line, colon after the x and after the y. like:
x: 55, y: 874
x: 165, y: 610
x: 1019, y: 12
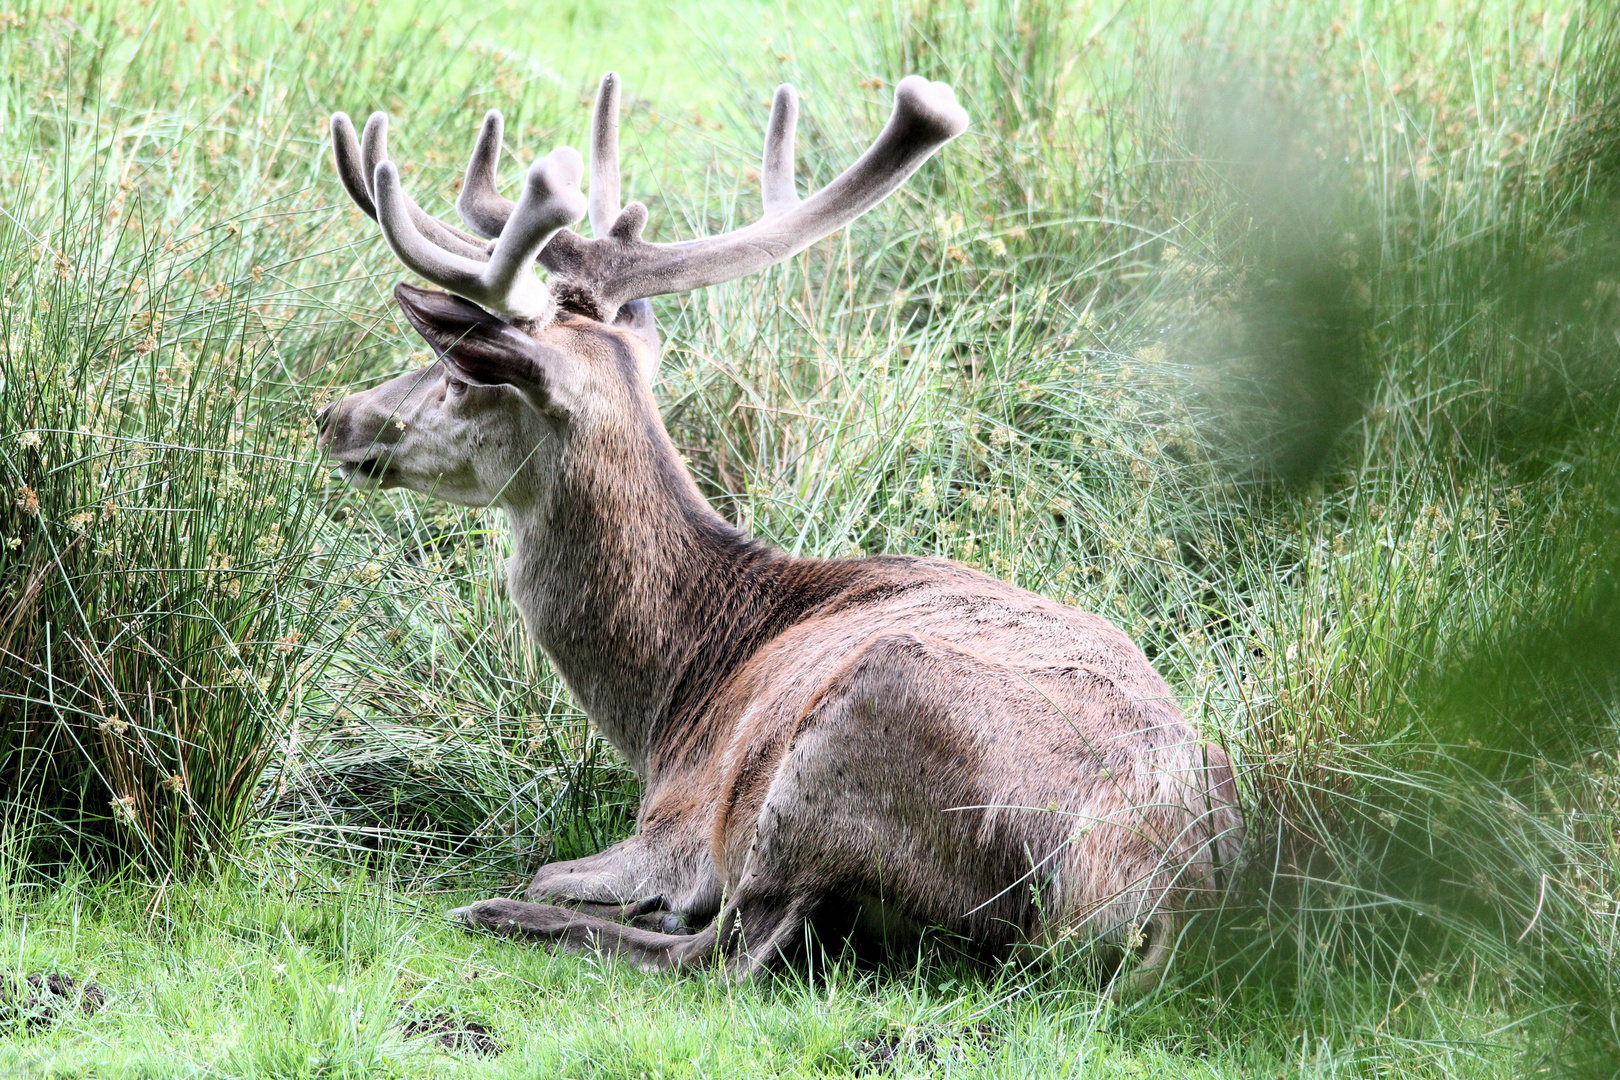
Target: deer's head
x: 527, y: 365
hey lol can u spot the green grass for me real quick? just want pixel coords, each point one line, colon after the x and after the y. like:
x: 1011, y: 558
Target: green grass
x: 268, y: 975
x: 1282, y: 336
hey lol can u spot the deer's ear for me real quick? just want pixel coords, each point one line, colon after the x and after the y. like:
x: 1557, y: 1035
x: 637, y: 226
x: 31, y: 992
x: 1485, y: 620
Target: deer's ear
x: 480, y: 349
x: 636, y: 316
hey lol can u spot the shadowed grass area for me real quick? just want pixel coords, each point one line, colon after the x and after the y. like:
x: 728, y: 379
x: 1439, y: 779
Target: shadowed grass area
x: 1282, y: 336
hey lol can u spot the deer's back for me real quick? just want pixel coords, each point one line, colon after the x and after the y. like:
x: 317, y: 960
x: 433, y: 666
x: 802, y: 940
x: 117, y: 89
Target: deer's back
x: 1090, y: 682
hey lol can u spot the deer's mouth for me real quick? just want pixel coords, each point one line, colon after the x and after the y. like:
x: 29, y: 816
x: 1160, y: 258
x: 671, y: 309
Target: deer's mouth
x: 373, y: 471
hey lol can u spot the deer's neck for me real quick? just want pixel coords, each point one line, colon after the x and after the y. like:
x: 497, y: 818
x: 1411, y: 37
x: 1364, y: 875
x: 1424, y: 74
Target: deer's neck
x: 641, y: 595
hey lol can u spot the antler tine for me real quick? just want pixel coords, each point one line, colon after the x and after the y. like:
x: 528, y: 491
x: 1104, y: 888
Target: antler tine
x: 506, y: 283
x: 621, y: 267
x: 346, y: 156
x: 776, y: 170
x: 357, y: 168
x: 604, y: 194
x: 481, y: 207
x: 551, y: 201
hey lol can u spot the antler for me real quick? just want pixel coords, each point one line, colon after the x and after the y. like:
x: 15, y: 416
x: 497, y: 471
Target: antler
x: 617, y: 266
x: 499, y: 276
x: 485, y: 210
x: 357, y: 165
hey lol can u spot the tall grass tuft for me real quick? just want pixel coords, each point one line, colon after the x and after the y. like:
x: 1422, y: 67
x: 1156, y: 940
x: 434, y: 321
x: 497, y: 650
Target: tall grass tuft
x: 184, y: 603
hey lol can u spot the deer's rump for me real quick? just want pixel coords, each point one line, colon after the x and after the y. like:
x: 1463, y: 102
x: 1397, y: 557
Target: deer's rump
x: 969, y: 755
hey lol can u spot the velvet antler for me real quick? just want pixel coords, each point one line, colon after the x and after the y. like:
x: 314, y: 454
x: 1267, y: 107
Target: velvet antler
x: 617, y: 266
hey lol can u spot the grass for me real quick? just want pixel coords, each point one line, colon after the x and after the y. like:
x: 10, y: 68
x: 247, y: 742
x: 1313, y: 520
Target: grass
x: 315, y: 975
x: 1284, y: 337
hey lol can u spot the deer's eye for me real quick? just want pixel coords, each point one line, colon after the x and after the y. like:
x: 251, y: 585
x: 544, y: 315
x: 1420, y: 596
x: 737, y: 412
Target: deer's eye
x: 456, y: 386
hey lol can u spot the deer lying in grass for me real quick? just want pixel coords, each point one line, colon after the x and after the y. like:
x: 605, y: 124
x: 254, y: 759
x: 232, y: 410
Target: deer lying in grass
x: 887, y: 742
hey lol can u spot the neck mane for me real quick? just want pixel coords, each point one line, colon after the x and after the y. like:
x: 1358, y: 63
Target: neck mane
x: 642, y: 596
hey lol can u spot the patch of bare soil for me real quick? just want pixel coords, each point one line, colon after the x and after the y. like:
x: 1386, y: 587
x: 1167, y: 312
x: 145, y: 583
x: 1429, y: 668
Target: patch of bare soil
x: 40, y: 1000
x: 886, y: 1048
x: 461, y: 1036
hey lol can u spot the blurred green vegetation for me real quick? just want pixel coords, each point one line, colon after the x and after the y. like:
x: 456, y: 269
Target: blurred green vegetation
x: 1282, y: 335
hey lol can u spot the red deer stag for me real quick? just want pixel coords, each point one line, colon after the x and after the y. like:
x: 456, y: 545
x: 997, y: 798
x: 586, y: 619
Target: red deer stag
x: 892, y: 742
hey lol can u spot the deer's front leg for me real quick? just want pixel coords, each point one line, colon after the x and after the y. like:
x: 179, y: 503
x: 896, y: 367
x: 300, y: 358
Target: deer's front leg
x: 663, y: 887
x: 619, y: 876
x: 576, y: 931
x: 749, y: 936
